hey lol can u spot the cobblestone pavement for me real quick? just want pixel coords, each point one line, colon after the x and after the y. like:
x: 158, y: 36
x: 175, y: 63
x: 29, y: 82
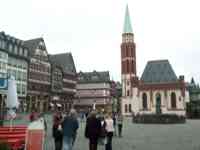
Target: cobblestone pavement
x: 143, y: 137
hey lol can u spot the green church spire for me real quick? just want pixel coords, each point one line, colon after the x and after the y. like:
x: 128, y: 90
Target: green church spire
x: 127, y: 22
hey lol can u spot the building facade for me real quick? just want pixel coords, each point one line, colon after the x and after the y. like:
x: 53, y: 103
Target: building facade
x: 93, y: 91
x: 39, y: 76
x: 63, y: 81
x: 193, y: 106
x: 14, y: 62
x: 157, y: 91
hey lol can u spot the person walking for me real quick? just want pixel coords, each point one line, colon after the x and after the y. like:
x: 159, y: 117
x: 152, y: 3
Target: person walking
x: 57, y: 130
x: 110, y: 129
x: 70, y: 126
x: 120, y: 124
x: 93, y: 130
x: 114, y: 117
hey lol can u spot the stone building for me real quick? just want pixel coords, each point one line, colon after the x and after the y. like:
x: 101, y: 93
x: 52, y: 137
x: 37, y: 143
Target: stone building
x: 39, y: 75
x: 63, y: 80
x: 93, y: 91
x: 14, y: 62
x: 157, y: 91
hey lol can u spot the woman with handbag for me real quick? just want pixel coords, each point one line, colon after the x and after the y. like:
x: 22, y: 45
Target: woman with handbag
x: 109, y: 129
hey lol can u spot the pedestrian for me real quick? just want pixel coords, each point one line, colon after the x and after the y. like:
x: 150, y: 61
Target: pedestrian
x: 114, y: 117
x: 102, y: 138
x: 120, y: 124
x: 33, y: 116
x: 133, y: 116
x: 57, y: 130
x: 70, y: 126
x: 109, y: 129
x: 93, y: 130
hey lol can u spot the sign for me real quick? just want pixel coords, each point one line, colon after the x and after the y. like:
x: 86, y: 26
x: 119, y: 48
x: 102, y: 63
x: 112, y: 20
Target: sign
x: 3, y: 83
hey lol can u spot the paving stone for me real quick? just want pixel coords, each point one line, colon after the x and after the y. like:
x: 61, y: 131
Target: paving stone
x: 141, y: 136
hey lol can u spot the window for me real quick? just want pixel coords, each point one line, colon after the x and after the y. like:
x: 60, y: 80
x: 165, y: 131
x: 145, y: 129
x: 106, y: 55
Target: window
x: 19, y: 75
x: 144, y: 101
x: 20, y: 51
x: 23, y: 89
x: 16, y: 49
x: 10, y: 47
x: 173, y: 100
x: 126, y: 108
x: 25, y: 52
x: 18, y: 88
x: 129, y: 108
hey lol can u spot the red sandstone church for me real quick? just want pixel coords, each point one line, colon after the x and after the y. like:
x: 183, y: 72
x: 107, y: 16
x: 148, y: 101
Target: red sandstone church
x: 157, y: 91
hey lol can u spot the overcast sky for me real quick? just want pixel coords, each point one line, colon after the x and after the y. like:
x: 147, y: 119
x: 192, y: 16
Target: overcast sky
x: 91, y: 30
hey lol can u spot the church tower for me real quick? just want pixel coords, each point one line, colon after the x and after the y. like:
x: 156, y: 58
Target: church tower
x: 128, y: 58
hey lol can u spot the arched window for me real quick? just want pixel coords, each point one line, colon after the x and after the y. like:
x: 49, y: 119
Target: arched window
x: 144, y: 100
x: 126, y: 108
x: 129, y: 108
x: 173, y: 100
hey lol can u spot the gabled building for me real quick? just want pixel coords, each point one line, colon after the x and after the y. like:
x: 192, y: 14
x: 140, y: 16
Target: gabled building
x: 63, y: 80
x: 93, y: 91
x: 14, y: 62
x: 157, y: 91
x: 39, y: 75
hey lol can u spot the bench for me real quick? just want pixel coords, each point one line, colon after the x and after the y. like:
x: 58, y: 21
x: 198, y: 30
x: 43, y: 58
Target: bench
x: 14, y: 137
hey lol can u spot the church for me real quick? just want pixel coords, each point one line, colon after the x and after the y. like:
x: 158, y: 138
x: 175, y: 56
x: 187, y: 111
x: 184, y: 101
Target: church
x: 157, y: 91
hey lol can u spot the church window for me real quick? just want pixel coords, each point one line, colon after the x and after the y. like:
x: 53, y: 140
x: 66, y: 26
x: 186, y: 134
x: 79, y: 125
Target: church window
x: 127, y: 66
x: 173, y: 100
x: 126, y: 108
x: 129, y: 108
x: 144, y: 101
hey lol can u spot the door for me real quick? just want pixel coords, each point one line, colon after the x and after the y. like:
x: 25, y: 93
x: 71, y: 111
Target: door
x: 158, y: 104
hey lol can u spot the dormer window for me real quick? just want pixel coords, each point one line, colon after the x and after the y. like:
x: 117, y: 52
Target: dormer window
x: 41, y: 43
x: 16, y: 49
x: 10, y: 47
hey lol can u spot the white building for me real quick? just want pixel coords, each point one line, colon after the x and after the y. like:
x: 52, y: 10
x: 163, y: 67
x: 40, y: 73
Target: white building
x: 157, y: 91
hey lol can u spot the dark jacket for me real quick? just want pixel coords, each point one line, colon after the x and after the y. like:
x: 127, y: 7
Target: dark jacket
x: 70, y: 126
x: 57, y: 134
x: 93, y: 128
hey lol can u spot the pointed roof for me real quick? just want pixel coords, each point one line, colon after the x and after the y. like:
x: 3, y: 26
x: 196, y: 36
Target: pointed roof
x: 65, y: 60
x: 158, y: 71
x: 93, y: 77
x: 127, y: 22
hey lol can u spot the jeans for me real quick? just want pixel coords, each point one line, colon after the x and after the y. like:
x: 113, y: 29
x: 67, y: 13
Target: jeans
x: 108, y: 145
x: 67, y: 143
x: 58, y: 144
x: 120, y: 129
x: 92, y: 144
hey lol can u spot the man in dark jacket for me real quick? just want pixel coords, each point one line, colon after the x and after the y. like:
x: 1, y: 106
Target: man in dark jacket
x: 57, y: 133
x: 70, y: 126
x: 93, y: 130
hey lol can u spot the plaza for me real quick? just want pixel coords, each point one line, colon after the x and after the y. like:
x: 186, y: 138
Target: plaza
x: 140, y: 136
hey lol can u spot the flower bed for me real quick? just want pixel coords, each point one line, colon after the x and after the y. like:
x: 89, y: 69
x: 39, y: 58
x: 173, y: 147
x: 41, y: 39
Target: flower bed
x: 159, y: 119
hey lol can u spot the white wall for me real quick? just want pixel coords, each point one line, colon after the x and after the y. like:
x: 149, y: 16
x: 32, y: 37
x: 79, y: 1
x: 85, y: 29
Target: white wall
x: 165, y: 102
